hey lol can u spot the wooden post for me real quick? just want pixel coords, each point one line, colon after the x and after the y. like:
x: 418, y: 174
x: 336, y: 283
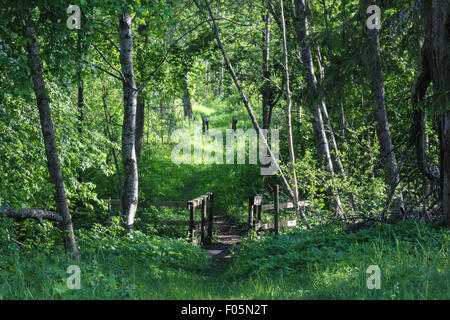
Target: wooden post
x: 191, y: 222
x: 258, y: 206
x: 258, y: 210
x: 211, y: 217
x: 109, y: 206
x: 277, y: 210
x: 204, y: 205
x: 302, y: 210
x: 250, y: 213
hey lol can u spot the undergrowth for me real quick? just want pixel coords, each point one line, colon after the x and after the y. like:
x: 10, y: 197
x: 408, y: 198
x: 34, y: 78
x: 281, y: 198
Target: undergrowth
x: 321, y: 263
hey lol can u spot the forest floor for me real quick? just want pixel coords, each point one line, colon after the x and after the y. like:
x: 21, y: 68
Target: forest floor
x: 228, y: 236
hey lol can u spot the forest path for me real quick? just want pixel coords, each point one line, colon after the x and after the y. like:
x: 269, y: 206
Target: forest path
x: 229, y: 235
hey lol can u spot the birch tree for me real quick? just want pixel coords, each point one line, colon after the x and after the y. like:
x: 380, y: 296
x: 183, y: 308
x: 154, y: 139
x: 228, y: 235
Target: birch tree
x: 51, y: 151
x: 302, y: 31
x: 288, y: 110
x: 247, y: 105
x: 129, y: 159
x: 383, y: 131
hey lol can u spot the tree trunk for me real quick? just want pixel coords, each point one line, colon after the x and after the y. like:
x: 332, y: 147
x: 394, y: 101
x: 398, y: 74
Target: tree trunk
x: 221, y: 77
x: 50, y: 143
x: 371, y: 155
x: 140, y: 111
x: 80, y: 103
x: 444, y: 138
x: 380, y: 116
x: 342, y: 120
x: 437, y: 46
x: 302, y: 30
x: 288, y: 111
x: 435, y: 66
x: 130, y: 189
x: 36, y: 214
x: 112, y: 138
x: 187, y: 105
x: 207, y: 78
x: 266, y: 90
x: 323, y: 105
x: 215, y: 30
x: 140, y: 117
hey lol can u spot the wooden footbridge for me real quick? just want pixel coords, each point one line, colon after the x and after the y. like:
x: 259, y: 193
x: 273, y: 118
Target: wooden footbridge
x: 205, y: 203
x: 201, y: 230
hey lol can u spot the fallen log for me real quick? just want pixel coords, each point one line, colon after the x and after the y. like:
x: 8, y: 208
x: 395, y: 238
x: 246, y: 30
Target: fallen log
x: 30, y: 214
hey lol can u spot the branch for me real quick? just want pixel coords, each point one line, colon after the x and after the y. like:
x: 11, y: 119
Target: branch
x: 417, y: 135
x: 109, y: 63
x: 144, y: 83
x: 30, y: 213
x: 110, y: 73
x: 280, y: 93
x: 105, y: 35
x: 394, y: 184
x: 247, y: 105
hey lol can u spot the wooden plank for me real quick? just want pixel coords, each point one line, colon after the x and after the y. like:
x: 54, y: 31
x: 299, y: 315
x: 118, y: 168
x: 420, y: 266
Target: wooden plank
x: 197, y: 224
x: 191, y: 222
x: 181, y: 204
x: 270, y: 225
x: 288, y: 223
x: 197, y: 201
x: 210, y: 219
x: 284, y: 205
x: 263, y: 226
x: 277, y: 210
x: 203, y: 224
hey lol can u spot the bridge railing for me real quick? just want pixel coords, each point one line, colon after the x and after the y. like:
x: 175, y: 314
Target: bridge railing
x: 255, y: 208
x: 204, y: 202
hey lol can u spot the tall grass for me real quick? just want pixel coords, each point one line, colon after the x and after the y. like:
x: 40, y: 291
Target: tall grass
x: 321, y: 263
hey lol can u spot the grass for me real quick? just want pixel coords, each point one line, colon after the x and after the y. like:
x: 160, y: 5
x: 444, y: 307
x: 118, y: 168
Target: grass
x: 328, y: 264
x: 158, y: 263
x: 321, y: 263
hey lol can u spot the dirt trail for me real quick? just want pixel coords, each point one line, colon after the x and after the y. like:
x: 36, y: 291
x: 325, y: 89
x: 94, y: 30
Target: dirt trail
x: 228, y: 235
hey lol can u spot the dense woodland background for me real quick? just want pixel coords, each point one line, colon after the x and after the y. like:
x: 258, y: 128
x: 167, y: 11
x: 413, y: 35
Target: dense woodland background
x: 87, y: 115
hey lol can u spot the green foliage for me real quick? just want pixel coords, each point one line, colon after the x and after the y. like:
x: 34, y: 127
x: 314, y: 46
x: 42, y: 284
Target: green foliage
x: 326, y: 263
x: 174, y: 50
x: 321, y: 263
x: 113, y: 266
